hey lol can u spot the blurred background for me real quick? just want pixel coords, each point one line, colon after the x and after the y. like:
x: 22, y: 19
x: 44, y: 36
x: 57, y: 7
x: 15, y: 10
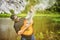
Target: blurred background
x: 46, y: 20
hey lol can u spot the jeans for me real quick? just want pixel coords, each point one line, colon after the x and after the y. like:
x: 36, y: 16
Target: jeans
x: 27, y: 38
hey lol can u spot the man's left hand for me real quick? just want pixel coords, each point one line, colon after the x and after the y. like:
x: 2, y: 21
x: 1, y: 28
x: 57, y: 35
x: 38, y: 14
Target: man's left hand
x: 20, y: 32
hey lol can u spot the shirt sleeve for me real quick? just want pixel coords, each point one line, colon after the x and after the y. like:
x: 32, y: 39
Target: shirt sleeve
x: 30, y: 16
x: 28, y: 23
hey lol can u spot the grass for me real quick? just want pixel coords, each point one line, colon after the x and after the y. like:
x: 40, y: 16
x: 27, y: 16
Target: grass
x: 43, y: 27
x: 55, y: 17
x: 50, y: 15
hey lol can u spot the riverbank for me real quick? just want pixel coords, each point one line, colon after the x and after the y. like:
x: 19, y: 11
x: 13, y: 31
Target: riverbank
x: 22, y: 15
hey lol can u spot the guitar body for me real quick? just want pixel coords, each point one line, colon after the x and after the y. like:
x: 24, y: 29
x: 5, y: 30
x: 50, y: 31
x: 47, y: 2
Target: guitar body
x: 29, y: 30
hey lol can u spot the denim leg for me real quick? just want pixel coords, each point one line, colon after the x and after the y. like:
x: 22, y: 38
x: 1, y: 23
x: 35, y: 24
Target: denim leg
x: 32, y: 37
x: 28, y: 38
x: 23, y: 38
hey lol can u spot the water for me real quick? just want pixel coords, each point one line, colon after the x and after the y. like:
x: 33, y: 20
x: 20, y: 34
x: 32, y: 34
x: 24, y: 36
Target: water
x: 7, y: 31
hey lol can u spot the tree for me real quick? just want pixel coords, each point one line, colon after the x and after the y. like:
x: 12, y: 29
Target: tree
x: 55, y: 7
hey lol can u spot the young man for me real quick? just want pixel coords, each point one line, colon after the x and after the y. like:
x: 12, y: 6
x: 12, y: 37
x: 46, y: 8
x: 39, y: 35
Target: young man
x: 26, y: 31
x: 26, y: 27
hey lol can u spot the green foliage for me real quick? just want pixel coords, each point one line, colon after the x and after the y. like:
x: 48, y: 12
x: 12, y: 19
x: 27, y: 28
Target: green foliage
x: 27, y: 8
x: 33, y: 2
x: 56, y: 7
x: 12, y: 11
x: 4, y: 15
x: 44, y: 27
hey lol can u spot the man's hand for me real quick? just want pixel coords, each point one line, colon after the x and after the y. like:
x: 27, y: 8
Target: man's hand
x: 20, y: 32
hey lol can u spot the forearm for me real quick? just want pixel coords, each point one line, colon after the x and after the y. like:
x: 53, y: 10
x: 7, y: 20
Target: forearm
x: 25, y: 27
x: 31, y: 13
x: 22, y: 30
